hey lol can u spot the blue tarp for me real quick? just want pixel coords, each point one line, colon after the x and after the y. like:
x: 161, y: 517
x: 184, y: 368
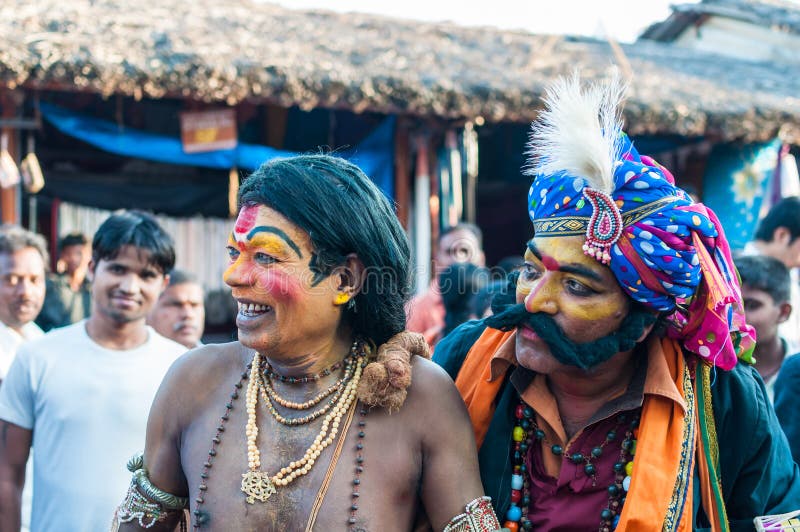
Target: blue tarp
x: 374, y: 155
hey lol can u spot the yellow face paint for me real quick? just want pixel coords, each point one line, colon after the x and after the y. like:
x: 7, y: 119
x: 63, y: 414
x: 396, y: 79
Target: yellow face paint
x: 559, y: 278
x: 268, y: 243
x: 232, y: 244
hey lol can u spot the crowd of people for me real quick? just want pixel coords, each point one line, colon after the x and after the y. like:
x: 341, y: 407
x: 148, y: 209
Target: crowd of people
x: 608, y: 378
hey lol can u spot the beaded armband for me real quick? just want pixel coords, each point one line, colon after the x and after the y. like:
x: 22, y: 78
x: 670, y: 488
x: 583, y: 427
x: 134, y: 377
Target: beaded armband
x: 478, y: 517
x: 145, y: 503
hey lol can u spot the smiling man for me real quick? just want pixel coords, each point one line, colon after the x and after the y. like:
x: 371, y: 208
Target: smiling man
x: 80, y: 394
x: 23, y: 263
x: 289, y: 429
x: 180, y: 312
x: 612, y: 389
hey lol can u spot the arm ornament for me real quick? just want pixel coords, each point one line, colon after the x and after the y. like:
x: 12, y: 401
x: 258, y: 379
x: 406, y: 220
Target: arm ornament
x: 146, y: 503
x: 478, y: 517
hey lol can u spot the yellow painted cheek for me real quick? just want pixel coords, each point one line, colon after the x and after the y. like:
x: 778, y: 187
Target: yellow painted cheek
x: 542, y: 295
x: 522, y: 292
x: 592, y: 312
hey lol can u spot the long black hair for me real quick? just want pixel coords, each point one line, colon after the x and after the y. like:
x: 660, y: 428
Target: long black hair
x: 343, y: 212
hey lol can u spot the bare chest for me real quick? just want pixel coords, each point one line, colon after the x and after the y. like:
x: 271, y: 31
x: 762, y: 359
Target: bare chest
x: 365, y: 480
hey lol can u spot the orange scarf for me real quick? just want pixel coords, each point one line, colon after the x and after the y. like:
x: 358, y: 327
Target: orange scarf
x: 660, y: 495
x: 661, y: 491
x: 473, y: 381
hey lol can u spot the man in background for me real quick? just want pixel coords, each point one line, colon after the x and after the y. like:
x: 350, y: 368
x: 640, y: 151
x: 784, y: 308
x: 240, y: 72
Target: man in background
x: 23, y: 263
x: 69, y: 293
x: 778, y: 236
x: 460, y: 243
x: 180, y: 313
x: 85, y: 390
x: 23, y: 260
x: 765, y: 295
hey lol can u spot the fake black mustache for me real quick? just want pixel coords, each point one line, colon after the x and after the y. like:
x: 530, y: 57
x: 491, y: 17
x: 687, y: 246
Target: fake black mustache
x: 510, y: 315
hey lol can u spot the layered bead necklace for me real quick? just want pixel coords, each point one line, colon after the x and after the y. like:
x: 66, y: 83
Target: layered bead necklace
x: 260, y: 485
x: 354, y: 362
x: 271, y: 397
x: 526, y: 431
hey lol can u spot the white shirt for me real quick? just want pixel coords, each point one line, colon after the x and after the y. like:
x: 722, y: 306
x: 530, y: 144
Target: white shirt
x: 10, y: 340
x: 87, y: 407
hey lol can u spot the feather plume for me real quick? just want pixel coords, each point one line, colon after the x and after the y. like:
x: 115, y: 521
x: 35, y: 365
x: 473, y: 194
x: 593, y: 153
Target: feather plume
x: 578, y: 132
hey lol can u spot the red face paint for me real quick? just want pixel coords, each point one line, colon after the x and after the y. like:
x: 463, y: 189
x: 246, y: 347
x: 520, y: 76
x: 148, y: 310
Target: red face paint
x: 550, y: 263
x: 277, y: 285
x: 246, y: 219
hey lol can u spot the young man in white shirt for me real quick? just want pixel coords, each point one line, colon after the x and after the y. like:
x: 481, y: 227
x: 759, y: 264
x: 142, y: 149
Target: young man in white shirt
x: 85, y: 390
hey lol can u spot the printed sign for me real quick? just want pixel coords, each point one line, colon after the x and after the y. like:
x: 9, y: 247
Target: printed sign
x: 203, y: 131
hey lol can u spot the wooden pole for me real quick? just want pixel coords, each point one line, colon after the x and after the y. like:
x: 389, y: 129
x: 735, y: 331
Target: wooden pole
x: 422, y: 214
x: 10, y: 102
x: 402, y: 172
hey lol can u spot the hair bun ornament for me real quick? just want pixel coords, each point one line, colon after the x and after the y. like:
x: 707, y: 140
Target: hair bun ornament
x: 385, y: 381
x: 605, y: 226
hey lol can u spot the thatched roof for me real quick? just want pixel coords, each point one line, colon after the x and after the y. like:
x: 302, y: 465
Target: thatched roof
x: 240, y: 50
x: 779, y: 15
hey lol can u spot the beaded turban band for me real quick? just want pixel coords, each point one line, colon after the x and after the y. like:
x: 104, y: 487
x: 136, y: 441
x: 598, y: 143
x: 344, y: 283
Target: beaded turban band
x: 668, y: 253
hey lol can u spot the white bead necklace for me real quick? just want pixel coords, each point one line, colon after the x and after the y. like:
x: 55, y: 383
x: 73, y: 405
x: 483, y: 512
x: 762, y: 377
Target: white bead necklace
x: 259, y: 485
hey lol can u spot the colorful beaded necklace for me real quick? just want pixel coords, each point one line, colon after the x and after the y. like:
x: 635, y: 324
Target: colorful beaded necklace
x: 526, y: 431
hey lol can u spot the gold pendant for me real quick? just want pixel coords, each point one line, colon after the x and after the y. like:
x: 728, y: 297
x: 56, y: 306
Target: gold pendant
x: 257, y: 485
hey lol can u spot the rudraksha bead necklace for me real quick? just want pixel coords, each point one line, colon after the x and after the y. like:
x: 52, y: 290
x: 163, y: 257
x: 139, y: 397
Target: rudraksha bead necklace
x: 362, y: 425
x: 201, y: 518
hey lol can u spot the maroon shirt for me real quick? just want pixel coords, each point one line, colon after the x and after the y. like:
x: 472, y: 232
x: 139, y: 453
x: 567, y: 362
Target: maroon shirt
x: 573, y: 500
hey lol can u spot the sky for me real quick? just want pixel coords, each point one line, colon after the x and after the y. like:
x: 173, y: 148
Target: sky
x: 621, y: 19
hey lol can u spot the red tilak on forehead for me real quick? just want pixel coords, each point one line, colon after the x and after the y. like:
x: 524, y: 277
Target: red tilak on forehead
x: 550, y: 263
x: 246, y: 219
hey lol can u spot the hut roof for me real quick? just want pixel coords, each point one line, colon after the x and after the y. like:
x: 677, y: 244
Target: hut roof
x: 240, y: 50
x: 779, y: 15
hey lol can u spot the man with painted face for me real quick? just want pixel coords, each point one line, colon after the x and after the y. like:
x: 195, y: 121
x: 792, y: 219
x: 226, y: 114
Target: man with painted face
x: 290, y: 428
x: 611, y: 389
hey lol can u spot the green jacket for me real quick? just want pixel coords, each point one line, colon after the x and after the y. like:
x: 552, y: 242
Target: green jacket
x: 759, y: 476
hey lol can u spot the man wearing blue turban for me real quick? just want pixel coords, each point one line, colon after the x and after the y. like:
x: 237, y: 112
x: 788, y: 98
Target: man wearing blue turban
x: 613, y: 387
